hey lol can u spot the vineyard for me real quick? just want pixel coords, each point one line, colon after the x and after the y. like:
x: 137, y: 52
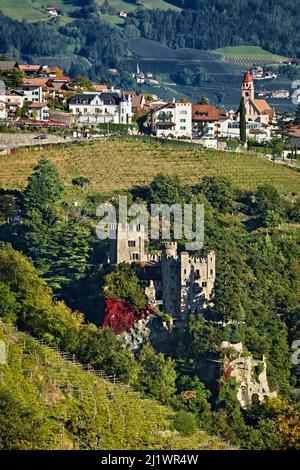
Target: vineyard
x: 118, y: 164
x: 247, y: 55
x: 81, y: 408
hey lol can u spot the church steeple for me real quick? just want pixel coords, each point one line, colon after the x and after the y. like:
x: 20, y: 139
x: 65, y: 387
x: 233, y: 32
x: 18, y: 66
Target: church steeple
x: 248, y: 86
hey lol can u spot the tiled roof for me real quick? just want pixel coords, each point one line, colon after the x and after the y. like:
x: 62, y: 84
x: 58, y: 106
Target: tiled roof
x: 35, y: 82
x: 100, y: 87
x: 137, y: 101
x: 61, y: 78
x: 107, y: 97
x: 262, y: 106
x: 7, y: 64
x: 203, y: 112
x: 37, y: 105
x: 30, y: 68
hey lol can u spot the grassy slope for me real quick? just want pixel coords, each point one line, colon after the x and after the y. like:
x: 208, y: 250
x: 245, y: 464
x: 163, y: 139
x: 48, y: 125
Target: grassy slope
x: 118, y: 164
x: 32, y: 10
x: 29, y: 10
x: 253, y: 52
x: 128, y: 6
x: 124, y: 420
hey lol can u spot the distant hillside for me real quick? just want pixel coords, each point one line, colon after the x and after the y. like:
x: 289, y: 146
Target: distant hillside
x: 37, y: 10
x: 48, y: 402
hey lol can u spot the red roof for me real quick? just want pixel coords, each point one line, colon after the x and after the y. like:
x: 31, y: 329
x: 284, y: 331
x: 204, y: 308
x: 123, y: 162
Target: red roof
x: 37, y: 105
x: 60, y: 78
x: 35, y: 82
x: 31, y: 68
x: 205, y: 112
x: 248, y: 77
x: 100, y: 87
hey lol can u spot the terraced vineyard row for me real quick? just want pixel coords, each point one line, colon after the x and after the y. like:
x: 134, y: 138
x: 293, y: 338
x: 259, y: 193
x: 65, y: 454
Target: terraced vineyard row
x: 87, y: 409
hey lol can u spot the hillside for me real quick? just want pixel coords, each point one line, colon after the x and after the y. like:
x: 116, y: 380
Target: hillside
x: 221, y: 71
x: 119, y: 164
x: 69, y: 408
x: 36, y: 10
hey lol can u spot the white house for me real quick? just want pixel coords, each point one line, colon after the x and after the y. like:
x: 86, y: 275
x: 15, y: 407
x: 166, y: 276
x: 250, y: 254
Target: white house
x: 172, y: 120
x: 229, y: 128
x: 14, y: 99
x: 3, y: 111
x: 52, y: 11
x: 33, y: 89
x: 110, y: 106
x: 38, y: 111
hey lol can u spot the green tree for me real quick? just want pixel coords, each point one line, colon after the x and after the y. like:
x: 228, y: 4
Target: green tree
x: 268, y: 205
x: 8, y: 206
x: 9, y: 307
x: 277, y: 146
x: 297, y: 116
x: 123, y: 284
x: 204, y: 100
x: 243, y: 121
x: 166, y: 190
x: 228, y: 398
x: 12, y: 78
x: 101, y: 348
x: 194, y: 398
x: 157, y: 376
x: 283, y: 126
x: 185, y: 423
x: 218, y: 191
x: 44, y: 187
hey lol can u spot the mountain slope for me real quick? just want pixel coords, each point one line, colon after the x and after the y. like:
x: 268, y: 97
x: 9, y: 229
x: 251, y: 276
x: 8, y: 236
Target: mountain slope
x: 48, y: 402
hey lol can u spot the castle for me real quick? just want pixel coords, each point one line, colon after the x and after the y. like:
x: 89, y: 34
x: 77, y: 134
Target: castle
x: 176, y: 283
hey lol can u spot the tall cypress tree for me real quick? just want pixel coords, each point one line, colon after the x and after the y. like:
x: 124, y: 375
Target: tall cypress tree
x: 243, y: 121
x: 297, y: 116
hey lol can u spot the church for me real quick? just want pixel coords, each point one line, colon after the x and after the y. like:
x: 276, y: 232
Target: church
x: 256, y: 110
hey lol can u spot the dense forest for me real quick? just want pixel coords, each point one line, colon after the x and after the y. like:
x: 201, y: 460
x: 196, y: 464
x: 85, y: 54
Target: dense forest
x: 256, y: 295
x: 200, y: 25
x: 218, y: 23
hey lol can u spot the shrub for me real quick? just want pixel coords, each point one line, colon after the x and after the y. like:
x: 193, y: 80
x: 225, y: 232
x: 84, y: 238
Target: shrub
x: 185, y: 423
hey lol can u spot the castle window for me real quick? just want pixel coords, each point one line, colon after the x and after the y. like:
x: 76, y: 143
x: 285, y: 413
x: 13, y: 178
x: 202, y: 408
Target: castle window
x: 135, y: 256
x: 204, y: 284
x: 131, y: 243
x: 212, y: 272
x: 184, y: 271
x: 197, y: 275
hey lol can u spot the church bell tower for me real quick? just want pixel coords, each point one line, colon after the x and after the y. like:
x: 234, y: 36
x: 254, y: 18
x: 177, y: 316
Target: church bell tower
x: 248, y: 87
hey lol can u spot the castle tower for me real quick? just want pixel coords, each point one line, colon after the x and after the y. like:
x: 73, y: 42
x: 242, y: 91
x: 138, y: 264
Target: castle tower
x: 127, y: 243
x: 170, y: 279
x: 248, y: 87
x: 197, y: 279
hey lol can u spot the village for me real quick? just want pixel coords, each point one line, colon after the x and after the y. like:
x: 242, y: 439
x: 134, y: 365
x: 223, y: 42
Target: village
x: 42, y: 98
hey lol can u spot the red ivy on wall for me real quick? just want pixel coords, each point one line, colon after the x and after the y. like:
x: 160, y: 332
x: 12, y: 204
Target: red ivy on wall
x: 121, y: 316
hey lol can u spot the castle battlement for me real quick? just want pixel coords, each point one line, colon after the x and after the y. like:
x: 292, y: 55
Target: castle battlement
x: 183, y: 283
